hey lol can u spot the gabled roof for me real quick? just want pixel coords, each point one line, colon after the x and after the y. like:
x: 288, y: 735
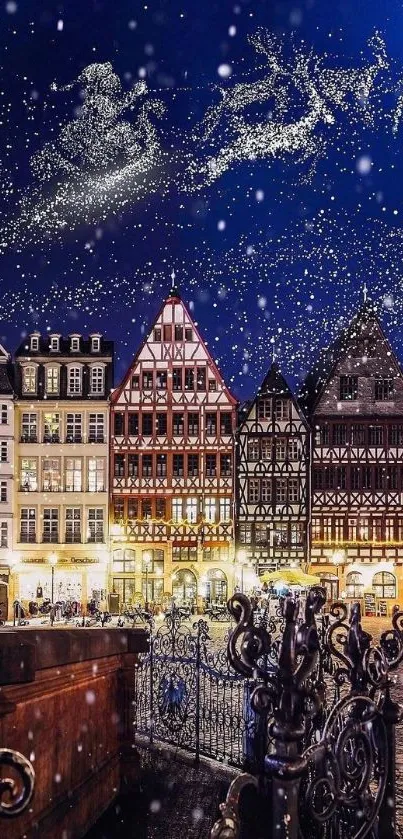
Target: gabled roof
x: 6, y: 387
x: 321, y: 373
x: 24, y: 350
x: 274, y: 383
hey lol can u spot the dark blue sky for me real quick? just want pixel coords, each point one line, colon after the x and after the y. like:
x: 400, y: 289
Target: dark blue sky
x: 263, y: 254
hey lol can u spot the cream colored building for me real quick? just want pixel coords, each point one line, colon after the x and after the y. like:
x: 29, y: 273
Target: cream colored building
x: 60, y: 541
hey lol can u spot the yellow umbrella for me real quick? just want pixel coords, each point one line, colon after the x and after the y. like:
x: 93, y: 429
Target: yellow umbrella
x: 292, y: 576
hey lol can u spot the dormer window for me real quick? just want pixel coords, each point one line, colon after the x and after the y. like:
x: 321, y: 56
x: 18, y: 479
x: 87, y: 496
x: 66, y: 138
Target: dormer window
x: 74, y: 343
x: 95, y: 343
x: 34, y: 345
x: 54, y: 344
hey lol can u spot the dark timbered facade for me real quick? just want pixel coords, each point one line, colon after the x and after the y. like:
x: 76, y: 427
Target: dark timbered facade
x: 355, y: 402
x: 272, y: 485
x: 172, y: 432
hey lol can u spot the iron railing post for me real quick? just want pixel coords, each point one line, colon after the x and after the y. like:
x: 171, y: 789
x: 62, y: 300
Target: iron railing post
x: 151, y: 685
x: 197, y: 714
x: 391, y: 713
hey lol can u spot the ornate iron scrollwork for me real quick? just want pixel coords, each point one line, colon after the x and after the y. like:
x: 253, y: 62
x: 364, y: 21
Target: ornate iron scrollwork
x: 15, y: 792
x: 228, y: 825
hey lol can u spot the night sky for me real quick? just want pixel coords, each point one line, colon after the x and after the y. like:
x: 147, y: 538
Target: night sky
x: 272, y: 253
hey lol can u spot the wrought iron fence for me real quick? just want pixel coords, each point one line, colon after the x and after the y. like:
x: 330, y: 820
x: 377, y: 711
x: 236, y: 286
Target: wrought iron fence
x: 327, y: 726
x: 15, y: 791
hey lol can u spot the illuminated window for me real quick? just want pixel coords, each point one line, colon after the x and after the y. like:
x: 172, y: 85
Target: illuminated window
x: 97, y: 380
x: 52, y: 380
x: 384, y: 585
x: 29, y: 380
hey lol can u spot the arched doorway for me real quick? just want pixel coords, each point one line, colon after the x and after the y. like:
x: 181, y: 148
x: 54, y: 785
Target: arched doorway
x: 216, y: 586
x: 354, y: 585
x: 184, y: 588
x: 331, y: 584
x: 3, y: 600
x: 384, y: 585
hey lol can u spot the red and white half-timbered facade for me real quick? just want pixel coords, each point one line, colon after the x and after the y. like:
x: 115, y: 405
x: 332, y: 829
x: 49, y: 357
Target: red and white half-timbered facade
x: 355, y: 401
x: 172, y: 469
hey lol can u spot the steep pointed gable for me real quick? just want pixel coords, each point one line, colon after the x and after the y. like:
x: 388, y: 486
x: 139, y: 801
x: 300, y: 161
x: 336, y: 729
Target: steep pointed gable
x: 274, y: 384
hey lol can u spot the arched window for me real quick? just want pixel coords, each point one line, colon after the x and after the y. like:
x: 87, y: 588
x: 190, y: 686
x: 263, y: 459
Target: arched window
x: 216, y: 586
x: 29, y: 380
x: 52, y: 380
x: 384, y: 584
x: 97, y: 380
x: 74, y: 380
x: 184, y: 588
x: 124, y: 561
x: 354, y: 585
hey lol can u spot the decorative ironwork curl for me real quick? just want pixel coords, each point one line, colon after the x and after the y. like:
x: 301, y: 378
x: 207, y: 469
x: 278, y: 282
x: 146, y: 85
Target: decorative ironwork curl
x: 15, y: 793
x: 228, y: 825
x: 391, y: 642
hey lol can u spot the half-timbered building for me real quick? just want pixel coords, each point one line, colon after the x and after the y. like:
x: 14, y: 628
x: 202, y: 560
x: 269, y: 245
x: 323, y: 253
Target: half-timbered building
x: 172, y: 434
x: 355, y: 401
x: 272, y: 487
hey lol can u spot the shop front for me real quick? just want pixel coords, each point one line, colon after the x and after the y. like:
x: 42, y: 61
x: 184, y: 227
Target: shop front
x: 375, y: 587
x: 59, y: 581
x: 184, y: 588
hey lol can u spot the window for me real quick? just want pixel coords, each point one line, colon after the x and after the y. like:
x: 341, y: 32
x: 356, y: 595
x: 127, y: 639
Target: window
x: 161, y: 465
x: 96, y: 474
x: 352, y: 529
x: 297, y: 534
x: 28, y: 525
x: 384, y: 584
x: 177, y: 378
x: 266, y: 448
x: 189, y: 378
x: 392, y: 478
x: 260, y: 533
x: 201, y: 378
x: 74, y: 380
x: 161, y: 379
x: 280, y: 534
x: 96, y: 428
x: 29, y: 474
x: 339, y: 434
x: 193, y: 424
x: 384, y: 390
x: 95, y: 525
x: 119, y: 466
x: 210, y: 506
x: 396, y: 435
x: 180, y: 554
x: 281, y: 490
x: 148, y: 379
x: 177, y: 465
x: 3, y: 492
x: 133, y: 465
x: 318, y: 482
x: 225, y: 465
x: 191, y: 510
x: 377, y: 529
x: 281, y: 448
x: 193, y: 465
x: 354, y: 585
x: 52, y: 380
x: 157, y: 334
x: 74, y: 482
x: 160, y: 508
x: 74, y: 428
x: 188, y: 333
x: 178, y: 332
x: 4, y: 452
x: 253, y: 490
x: 135, y: 382
x: 358, y: 435
x: 51, y: 475
x: 281, y: 409
x: 245, y: 534
x: 95, y: 343
x: 133, y: 424
x: 366, y: 479
x: 316, y: 530
x: 161, y: 426
x: 324, y: 435
x: 132, y: 508
x: 363, y: 529
x: 389, y: 529
x: 29, y: 428
x: 293, y: 490
x: 3, y: 534
x: 327, y: 529
x: 4, y: 415
x: 147, y: 465
x: 124, y: 560
x: 147, y: 424
x: 339, y: 529
x: 29, y: 379
x: 340, y: 477
x: 225, y: 422
x: 73, y: 525
x: 34, y: 343
x: 266, y: 490
x: 355, y: 477
x: 154, y: 560
x: 375, y: 435
x: 50, y: 524
x: 97, y: 380
x: 225, y: 509
x: 211, y: 423
x: 74, y: 343
x: 253, y: 449
x: 167, y: 332
x: 348, y: 388
x: 51, y: 428
x: 212, y: 385
x: 211, y: 465
x: 293, y: 449
x: 176, y: 510
x: 178, y: 427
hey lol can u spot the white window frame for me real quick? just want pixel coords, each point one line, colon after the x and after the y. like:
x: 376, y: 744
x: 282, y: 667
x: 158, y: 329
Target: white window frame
x: 73, y: 525
x: 51, y: 468
x: 74, y: 382
x: 225, y: 509
x: 74, y: 474
x: 97, y: 379
x: 4, y: 414
x: 75, y: 343
x: 210, y: 510
x: 31, y: 426
x: 191, y: 510
x: 74, y: 427
x: 29, y: 374
x: 4, y: 452
x: 96, y: 516
x: 50, y: 371
x: 29, y: 474
x: 98, y: 427
x: 54, y: 343
x: 96, y: 474
x: 34, y: 343
x: 3, y: 534
x: 177, y: 510
x: 30, y: 524
x: 95, y: 343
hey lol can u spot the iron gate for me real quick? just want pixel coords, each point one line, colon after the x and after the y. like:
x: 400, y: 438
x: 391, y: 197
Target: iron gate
x: 187, y: 694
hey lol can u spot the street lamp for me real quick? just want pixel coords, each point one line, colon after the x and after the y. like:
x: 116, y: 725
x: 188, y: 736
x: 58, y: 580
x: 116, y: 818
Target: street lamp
x: 53, y: 561
x: 146, y: 561
x: 242, y: 558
